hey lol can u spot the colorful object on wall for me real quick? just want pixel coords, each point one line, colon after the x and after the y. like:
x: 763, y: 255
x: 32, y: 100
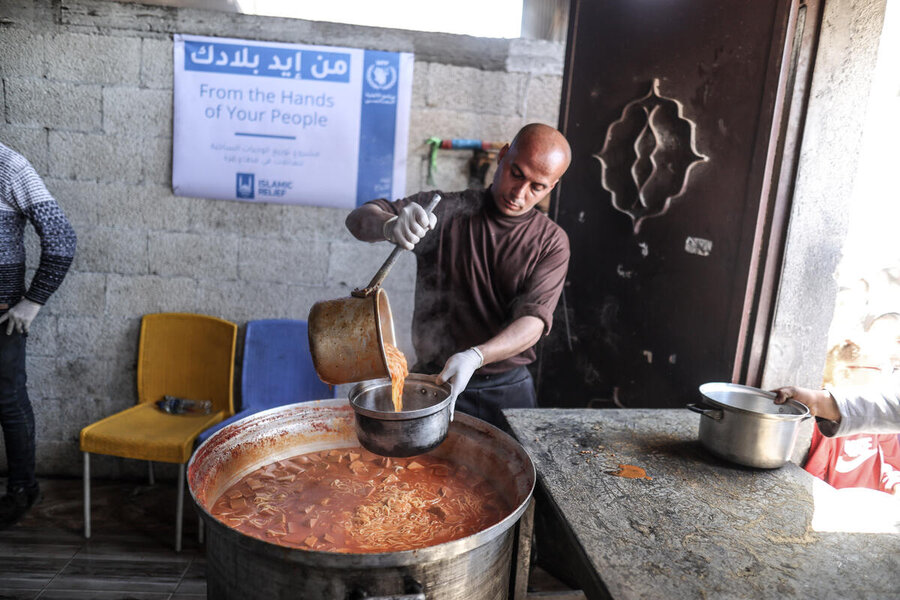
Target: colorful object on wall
x: 437, y: 143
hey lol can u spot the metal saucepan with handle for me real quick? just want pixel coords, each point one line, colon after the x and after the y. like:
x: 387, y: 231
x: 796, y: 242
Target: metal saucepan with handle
x: 743, y: 424
x: 347, y: 335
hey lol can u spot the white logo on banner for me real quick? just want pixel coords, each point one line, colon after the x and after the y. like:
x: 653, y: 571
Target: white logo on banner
x: 381, y: 75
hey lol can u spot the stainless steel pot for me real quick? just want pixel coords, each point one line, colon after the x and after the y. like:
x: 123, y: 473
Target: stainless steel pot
x: 476, y: 567
x: 743, y: 424
x: 421, y: 426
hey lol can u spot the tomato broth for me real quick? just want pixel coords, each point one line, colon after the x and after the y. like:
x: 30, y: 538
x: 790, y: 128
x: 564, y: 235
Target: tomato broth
x: 351, y: 500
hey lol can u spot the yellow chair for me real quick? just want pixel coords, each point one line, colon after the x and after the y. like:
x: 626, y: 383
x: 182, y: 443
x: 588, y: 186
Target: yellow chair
x: 184, y: 355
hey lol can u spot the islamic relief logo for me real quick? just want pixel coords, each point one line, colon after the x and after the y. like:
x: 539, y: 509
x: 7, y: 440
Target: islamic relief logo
x: 244, y: 185
x: 381, y: 75
x: 648, y: 156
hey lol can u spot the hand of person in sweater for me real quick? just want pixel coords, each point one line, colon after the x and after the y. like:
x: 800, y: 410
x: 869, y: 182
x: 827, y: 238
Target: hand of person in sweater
x: 408, y: 228
x: 458, y: 370
x: 20, y: 316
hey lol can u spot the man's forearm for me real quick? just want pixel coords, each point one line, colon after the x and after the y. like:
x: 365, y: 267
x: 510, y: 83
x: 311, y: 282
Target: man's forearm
x: 521, y: 334
x: 366, y: 223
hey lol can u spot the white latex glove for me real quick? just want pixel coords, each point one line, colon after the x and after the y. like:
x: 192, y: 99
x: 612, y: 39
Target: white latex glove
x: 407, y: 229
x: 458, y: 371
x: 20, y: 316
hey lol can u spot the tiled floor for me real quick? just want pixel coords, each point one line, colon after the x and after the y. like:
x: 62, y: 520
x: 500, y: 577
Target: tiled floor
x: 131, y: 553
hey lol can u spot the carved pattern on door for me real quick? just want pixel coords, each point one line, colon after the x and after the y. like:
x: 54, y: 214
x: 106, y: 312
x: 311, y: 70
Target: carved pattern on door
x: 648, y: 156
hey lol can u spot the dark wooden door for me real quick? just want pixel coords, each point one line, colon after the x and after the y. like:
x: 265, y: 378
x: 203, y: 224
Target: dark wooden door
x: 669, y: 109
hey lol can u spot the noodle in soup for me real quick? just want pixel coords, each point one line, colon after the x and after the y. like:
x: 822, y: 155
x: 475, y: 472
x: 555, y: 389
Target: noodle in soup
x: 398, y: 370
x: 350, y: 500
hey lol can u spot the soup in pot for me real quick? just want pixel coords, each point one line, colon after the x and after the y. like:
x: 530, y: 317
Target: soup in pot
x: 350, y: 500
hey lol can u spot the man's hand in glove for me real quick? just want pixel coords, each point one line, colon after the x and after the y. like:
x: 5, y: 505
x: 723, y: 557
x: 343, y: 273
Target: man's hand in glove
x: 20, y: 316
x: 407, y: 229
x: 458, y: 370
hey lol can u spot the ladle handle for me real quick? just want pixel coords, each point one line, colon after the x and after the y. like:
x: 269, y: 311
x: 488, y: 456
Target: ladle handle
x: 395, y: 254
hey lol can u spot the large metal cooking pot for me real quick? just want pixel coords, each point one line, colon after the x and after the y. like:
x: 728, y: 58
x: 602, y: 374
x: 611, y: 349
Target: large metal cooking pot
x: 743, y: 424
x: 241, y: 567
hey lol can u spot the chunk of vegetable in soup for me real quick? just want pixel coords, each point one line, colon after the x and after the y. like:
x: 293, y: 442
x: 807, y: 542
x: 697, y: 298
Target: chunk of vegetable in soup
x: 351, y: 500
x: 398, y: 370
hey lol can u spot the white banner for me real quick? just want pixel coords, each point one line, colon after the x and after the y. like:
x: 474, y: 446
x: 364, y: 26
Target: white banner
x: 269, y: 122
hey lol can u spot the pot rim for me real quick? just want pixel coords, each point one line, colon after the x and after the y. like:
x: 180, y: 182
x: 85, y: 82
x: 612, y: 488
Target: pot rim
x: 407, y: 415
x: 707, y: 388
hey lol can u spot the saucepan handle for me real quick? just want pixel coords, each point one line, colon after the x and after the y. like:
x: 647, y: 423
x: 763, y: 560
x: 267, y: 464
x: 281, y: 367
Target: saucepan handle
x: 395, y: 254
x: 712, y: 413
x: 800, y: 406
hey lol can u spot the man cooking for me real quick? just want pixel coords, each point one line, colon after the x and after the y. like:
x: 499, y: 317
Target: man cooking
x: 488, y: 278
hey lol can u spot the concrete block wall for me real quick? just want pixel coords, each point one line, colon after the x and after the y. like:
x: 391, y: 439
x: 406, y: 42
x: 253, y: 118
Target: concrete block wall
x: 87, y: 97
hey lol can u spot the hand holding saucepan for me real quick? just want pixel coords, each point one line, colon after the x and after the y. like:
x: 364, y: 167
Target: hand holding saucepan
x: 410, y: 226
x: 458, y: 370
x: 819, y: 402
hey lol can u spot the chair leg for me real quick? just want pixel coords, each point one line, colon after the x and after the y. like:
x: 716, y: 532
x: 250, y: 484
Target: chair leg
x: 179, y: 507
x: 200, y: 527
x: 87, y: 495
x: 150, y: 472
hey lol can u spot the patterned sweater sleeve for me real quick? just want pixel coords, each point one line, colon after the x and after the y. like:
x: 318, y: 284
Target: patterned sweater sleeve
x: 54, y: 230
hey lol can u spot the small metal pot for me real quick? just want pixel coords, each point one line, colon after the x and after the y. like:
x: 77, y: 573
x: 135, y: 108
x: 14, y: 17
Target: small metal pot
x: 743, y: 424
x: 421, y: 426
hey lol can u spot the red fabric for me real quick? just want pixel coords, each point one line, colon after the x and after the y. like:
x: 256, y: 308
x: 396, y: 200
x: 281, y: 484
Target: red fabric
x: 863, y: 460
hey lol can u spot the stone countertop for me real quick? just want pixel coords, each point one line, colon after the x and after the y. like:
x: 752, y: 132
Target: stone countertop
x: 700, y: 527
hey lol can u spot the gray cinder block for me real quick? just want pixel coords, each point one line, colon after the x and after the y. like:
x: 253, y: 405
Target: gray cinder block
x: 55, y: 104
x: 94, y: 58
x: 95, y: 157
x: 156, y: 64
x: 138, y: 112
x: 193, y: 255
x: 109, y: 250
x: 129, y: 295
x: 283, y: 261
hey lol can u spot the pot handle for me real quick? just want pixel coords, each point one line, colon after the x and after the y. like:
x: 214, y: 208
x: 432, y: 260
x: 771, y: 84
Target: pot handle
x: 712, y: 413
x: 412, y: 591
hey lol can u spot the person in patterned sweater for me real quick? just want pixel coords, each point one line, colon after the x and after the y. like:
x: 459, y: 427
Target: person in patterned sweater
x: 23, y: 197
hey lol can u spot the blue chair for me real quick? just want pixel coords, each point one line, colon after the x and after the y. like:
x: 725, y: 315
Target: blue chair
x: 277, y: 369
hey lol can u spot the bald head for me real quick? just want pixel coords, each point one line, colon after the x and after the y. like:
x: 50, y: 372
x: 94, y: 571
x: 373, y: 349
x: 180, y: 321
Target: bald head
x: 547, y: 143
x: 529, y: 168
